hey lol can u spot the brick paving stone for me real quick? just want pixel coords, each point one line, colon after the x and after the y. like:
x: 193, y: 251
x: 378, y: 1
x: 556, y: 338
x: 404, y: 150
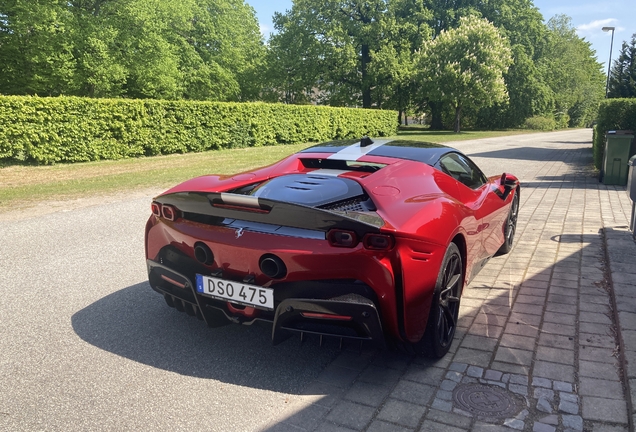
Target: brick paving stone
x: 431, y: 426
x: 489, y: 427
x: 511, y: 368
x: 561, y: 299
x: 573, y: 422
x: 553, y: 371
x: 519, y: 379
x: 568, y: 407
x: 402, y: 413
x: 522, y: 330
x: 330, y: 427
x: 514, y: 356
x: 424, y: 375
x: 448, y: 385
x: 598, y: 299
x: 458, y: 367
x: 392, y: 360
x: 485, y: 330
x: 515, y: 424
x: 517, y: 341
x: 490, y: 319
x: 449, y: 418
x: 367, y: 393
x: 454, y: 376
x: 562, y: 308
x: 445, y: 395
x: 569, y: 397
x: 474, y: 371
x: 601, y: 341
x: 413, y: 392
x: 604, y: 370
x: 593, y: 308
x: 559, y: 318
x: 555, y: 355
x: 525, y: 308
x: 544, y: 405
x: 601, y: 388
x: 492, y: 375
x: 382, y: 426
x: 595, y: 317
x: 442, y: 405
x: 562, y: 386
x: 351, y: 415
x: 479, y: 342
x: 596, y: 354
x: 542, y: 427
x: 551, y: 419
x: 560, y: 329
x: 518, y: 389
x: 545, y: 393
x: 556, y: 341
x: 541, y: 382
x: 628, y: 320
x: 602, y: 409
x: 381, y: 376
x: 353, y: 360
x: 529, y: 299
x: 594, y: 328
x: 472, y: 356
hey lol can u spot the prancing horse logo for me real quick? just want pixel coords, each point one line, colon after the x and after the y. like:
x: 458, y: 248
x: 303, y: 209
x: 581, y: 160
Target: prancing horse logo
x: 239, y: 232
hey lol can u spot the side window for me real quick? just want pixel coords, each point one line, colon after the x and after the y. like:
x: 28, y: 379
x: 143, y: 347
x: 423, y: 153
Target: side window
x: 462, y: 169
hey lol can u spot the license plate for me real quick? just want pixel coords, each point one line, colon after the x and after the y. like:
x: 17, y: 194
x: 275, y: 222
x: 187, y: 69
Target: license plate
x: 236, y: 292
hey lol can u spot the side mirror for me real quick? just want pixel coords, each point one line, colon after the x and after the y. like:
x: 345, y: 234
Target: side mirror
x: 508, y: 182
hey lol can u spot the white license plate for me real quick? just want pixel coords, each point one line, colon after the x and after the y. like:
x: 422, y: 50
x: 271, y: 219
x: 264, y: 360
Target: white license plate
x: 236, y: 292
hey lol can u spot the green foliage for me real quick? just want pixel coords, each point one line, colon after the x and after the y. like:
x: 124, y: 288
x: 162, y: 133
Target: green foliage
x: 622, y: 83
x: 613, y: 114
x: 161, y: 49
x: 540, y: 123
x: 465, y: 66
x: 71, y: 129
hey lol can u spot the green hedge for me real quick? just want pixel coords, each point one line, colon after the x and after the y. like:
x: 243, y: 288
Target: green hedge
x: 613, y: 114
x: 71, y: 129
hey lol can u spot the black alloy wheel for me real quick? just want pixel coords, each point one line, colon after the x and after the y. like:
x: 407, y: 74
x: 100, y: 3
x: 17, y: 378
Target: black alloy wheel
x: 511, y: 226
x: 442, y: 320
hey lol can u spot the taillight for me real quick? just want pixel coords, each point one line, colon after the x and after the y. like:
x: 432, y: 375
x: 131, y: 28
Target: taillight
x: 168, y: 212
x: 378, y: 242
x: 342, y: 238
x: 156, y: 209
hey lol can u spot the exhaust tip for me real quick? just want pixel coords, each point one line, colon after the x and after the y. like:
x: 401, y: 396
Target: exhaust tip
x: 203, y: 253
x: 272, y: 266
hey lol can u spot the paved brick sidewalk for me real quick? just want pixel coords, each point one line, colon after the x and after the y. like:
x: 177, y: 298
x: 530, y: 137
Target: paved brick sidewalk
x: 538, y: 323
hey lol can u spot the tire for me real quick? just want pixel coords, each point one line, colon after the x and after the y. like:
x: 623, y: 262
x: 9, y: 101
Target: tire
x: 511, y: 226
x: 442, y: 318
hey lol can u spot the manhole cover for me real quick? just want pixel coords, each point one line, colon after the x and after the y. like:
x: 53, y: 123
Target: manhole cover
x: 485, y: 401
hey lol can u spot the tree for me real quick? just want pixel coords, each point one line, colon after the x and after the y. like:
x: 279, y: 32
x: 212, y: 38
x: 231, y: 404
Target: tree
x: 622, y: 82
x: 465, y: 66
x: 573, y: 74
x: 355, y: 52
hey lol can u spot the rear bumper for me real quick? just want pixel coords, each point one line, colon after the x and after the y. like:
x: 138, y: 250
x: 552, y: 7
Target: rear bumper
x: 350, y: 311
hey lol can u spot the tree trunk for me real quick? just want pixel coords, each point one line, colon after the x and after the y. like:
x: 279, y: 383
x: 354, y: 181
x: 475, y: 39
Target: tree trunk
x: 436, y: 115
x: 458, y: 113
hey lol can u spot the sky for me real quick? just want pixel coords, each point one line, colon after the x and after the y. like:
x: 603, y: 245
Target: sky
x: 588, y: 17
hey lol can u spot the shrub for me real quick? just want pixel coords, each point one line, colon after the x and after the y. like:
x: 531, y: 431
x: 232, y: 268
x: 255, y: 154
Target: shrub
x: 71, y: 129
x: 613, y: 114
x: 540, y: 123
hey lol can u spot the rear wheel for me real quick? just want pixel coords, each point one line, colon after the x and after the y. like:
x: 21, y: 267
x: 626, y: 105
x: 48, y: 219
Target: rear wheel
x: 442, y: 319
x: 511, y: 226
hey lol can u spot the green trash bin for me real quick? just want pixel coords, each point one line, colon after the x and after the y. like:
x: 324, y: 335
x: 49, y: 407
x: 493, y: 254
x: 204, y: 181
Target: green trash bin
x: 618, y: 149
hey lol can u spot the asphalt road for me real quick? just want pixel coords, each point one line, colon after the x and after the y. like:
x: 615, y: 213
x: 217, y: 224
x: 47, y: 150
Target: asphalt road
x: 85, y: 344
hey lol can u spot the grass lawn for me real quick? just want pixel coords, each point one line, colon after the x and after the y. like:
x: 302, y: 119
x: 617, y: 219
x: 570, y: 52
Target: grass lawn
x: 24, y: 185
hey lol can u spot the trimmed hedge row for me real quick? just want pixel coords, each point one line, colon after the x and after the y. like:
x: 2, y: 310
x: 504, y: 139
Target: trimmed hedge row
x: 613, y: 114
x: 72, y: 129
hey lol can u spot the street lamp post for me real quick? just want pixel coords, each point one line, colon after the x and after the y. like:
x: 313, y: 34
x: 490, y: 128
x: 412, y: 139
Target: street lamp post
x: 609, y: 64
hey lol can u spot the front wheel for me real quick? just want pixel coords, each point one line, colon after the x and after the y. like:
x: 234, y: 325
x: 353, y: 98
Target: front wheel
x: 442, y: 318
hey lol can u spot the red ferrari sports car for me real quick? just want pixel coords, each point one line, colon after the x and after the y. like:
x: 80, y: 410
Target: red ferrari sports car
x: 370, y: 239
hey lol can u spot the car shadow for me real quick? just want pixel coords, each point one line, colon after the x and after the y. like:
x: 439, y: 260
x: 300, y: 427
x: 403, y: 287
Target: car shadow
x: 135, y: 323
x: 533, y: 153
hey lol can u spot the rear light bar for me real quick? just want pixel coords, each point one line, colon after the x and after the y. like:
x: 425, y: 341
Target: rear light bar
x: 325, y: 316
x: 156, y: 209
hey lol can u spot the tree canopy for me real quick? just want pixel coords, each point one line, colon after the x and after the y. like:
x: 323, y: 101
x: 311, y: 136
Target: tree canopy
x: 464, y: 66
x: 165, y: 49
x: 622, y: 82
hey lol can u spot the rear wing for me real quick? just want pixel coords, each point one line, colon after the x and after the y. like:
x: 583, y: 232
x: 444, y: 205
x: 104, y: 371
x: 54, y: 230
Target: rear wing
x: 215, y: 207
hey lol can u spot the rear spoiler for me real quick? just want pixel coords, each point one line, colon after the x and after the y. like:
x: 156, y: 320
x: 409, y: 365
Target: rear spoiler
x: 263, y: 210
